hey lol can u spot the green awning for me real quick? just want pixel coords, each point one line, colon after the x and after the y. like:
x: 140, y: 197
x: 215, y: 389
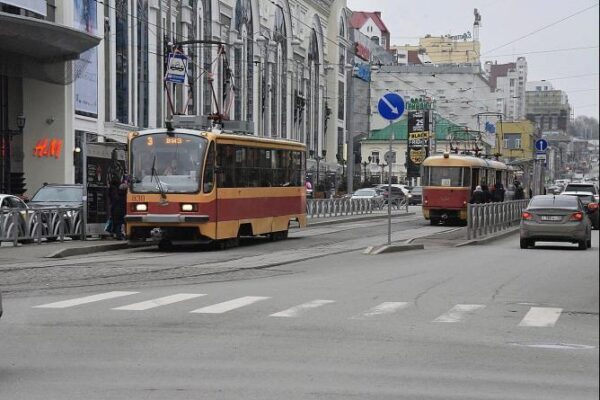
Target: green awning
x: 399, y: 129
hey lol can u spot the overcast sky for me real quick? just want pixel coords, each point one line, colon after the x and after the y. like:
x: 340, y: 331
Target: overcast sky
x: 503, y: 21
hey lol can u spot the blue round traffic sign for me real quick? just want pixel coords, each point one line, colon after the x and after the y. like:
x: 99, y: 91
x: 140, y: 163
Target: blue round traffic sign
x: 391, y: 106
x: 541, y: 144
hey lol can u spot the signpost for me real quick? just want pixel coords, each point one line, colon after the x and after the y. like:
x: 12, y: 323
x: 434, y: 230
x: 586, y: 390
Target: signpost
x: 177, y: 68
x: 390, y: 107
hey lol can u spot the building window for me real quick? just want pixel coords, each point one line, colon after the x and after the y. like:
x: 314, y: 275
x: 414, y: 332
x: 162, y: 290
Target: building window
x: 313, y: 113
x: 244, y: 68
x: 375, y: 157
x: 142, y: 63
x: 341, y: 97
x: 122, y: 61
x: 279, y: 80
x: 340, y: 143
x: 512, y: 141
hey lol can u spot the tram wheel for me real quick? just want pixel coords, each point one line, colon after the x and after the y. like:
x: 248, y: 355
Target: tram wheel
x: 434, y: 221
x: 165, y: 245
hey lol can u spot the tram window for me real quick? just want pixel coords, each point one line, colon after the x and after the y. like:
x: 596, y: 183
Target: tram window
x: 466, y: 177
x: 209, y: 170
x: 448, y: 176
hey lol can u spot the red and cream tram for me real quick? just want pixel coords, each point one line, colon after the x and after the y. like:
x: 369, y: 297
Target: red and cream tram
x: 448, y: 181
x: 191, y: 186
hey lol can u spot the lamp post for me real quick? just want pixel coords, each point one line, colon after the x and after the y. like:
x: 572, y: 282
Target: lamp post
x: 381, y: 166
x: 5, y: 151
x: 318, y: 160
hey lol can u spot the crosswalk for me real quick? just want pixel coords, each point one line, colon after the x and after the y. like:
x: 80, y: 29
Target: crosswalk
x: 536, y: 317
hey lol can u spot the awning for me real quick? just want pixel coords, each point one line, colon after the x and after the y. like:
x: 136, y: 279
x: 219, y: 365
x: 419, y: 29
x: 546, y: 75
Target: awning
x: 42, y: 40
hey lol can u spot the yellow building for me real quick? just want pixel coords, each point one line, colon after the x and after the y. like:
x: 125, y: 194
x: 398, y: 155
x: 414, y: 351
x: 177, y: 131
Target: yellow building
x: 515, y: 140
x: 459, y: 49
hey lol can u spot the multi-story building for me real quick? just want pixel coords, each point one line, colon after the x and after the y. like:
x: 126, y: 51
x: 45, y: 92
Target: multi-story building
x: 547, y: 108
x: 508, y: 82
x: 40, y: 42
x: 459, y: 49
x: 276, y: 65
x: 371, y: 25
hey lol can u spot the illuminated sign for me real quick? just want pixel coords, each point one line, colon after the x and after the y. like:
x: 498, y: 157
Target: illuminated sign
x: 48, y: 148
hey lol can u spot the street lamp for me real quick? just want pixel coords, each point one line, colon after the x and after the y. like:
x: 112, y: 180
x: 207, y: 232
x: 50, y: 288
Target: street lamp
x: 318, y: 160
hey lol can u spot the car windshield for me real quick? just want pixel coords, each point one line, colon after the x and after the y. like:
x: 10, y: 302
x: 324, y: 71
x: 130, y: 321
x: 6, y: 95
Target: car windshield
x: 567, y: 202
x: 169, y: 163
x: 58, y: 194
x: 417, y: 190
x: 365, y: 192
x: 581, y: 188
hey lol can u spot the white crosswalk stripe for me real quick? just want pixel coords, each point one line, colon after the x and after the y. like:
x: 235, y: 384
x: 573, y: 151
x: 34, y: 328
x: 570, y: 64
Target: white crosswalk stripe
x: 388, y: 307
x: 297, y: 310
x: 542, y: 317
x: 229, y: 305
x: 85, y: 300
x: 458, y: 312
x: 162, y: 301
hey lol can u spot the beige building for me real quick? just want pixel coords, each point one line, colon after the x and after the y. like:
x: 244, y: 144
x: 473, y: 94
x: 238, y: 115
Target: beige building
x: 459, y: 49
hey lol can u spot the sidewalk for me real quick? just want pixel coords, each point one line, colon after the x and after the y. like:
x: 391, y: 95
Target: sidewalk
x: 68, y: 248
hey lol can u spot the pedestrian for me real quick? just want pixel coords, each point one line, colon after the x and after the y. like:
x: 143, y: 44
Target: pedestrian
x: 519, y: 193
x: 118, y: 198
x: 487, y: 195
x: 499, y: 192
x: 477, y: 197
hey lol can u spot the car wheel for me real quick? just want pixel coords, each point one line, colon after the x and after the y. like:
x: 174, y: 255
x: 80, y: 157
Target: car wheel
x: 583, y: 245
x: 524, y: 243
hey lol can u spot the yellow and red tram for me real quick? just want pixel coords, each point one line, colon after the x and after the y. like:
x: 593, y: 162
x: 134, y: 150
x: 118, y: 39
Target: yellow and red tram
x: 190, y: 186
x: 448, y: 181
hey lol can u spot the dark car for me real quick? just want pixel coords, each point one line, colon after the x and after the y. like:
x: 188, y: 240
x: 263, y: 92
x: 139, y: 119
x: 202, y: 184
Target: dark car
x: 55, y: 195
x: 416, y: 195
x: 397, y: 197
x: 591, y: 205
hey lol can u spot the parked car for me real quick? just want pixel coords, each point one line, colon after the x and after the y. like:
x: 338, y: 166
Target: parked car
x: 552, y: 218
x: 399, y: 192
x: 55, y: 195
x: 13, y: 203
x: 416, y: 195
x: 372, y: 194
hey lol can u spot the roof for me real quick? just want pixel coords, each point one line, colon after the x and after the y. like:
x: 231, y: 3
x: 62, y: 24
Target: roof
x: 497, y: 70
x: 359, y: 18
x: 443, y: 126
x: 456, y: 160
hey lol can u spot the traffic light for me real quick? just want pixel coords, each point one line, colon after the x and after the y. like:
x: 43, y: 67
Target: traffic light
x: 17, y: 183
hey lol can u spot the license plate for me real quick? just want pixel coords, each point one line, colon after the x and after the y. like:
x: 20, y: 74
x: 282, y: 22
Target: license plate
x: 551, y: 218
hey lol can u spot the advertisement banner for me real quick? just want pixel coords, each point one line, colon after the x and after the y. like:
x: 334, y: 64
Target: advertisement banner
x: 85, y: 18
x: 418, y: 142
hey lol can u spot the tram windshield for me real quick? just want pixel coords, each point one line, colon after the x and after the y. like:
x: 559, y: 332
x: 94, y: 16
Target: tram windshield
x: 446, y: 176
x: 162, y: 163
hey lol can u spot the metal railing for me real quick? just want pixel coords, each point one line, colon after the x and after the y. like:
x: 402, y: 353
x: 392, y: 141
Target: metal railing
x: 323, y: 208
x: 488, y: 218
x: 33, y: 225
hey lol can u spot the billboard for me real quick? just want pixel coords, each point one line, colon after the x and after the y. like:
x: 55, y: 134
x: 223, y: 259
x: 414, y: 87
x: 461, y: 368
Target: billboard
x: 418, y: 142
x: 85, y: 18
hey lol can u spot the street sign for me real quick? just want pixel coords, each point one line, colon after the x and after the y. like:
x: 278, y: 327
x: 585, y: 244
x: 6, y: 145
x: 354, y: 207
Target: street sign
x: 541, y: 145
x: 390, y: 157
x: 391, y: 106
x: 177, y: 68
x: 540, y: 156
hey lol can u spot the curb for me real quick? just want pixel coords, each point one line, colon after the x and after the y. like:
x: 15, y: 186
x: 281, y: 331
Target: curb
x: 488, y: 239
x: 392, y: 248
x: 357, y: 219
x: 76, y: 251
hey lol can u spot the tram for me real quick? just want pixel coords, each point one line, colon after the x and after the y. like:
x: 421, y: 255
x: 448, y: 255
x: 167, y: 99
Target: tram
x: 191, y: 186
x: 448, y: 181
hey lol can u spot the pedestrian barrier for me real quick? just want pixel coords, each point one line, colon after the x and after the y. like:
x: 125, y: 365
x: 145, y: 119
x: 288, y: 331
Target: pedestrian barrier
x: 488, y: 218
x: 33, y: 225
x: 334, y: 207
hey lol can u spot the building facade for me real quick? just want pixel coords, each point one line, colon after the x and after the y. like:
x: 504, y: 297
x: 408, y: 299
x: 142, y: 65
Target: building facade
x: 509, y: 83
x: 547, y: 108
x: 276, y: 65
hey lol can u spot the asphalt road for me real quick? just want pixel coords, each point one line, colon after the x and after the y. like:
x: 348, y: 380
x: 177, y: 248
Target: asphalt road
x: 481, y: 322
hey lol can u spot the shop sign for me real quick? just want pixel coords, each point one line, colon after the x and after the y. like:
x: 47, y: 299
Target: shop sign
x: 46, y: 147
x: 418, y: 141
x: 363, y: 72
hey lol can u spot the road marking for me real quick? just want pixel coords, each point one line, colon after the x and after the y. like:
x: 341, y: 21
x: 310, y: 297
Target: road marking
x: 542, y: 317
x: 296, y: 310
x: 162, y: 301
x: 388, y: 307
x: 458, y: 312
x: 85, y: 300
x: 229, y: 305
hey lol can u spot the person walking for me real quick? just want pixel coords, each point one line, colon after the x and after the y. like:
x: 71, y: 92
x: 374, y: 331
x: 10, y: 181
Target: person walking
x: 118, y: 198
x: 498, y: 192
x: 478, y: 197
x: 519, y: 192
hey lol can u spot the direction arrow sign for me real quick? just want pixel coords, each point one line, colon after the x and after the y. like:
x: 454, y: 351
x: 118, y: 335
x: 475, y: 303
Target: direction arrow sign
x: 391, y: 106
x: 541, y: 144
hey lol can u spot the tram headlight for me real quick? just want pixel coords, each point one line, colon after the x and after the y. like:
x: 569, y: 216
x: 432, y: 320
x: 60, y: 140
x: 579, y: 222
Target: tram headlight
x: 186, y: 207
x: 141, y: 207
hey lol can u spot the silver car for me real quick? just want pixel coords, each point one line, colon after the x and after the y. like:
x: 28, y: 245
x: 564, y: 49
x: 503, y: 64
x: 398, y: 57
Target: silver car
x: 550, y: 218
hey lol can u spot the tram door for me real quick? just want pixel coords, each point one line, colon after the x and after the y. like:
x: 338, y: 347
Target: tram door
x: 474, y: 178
